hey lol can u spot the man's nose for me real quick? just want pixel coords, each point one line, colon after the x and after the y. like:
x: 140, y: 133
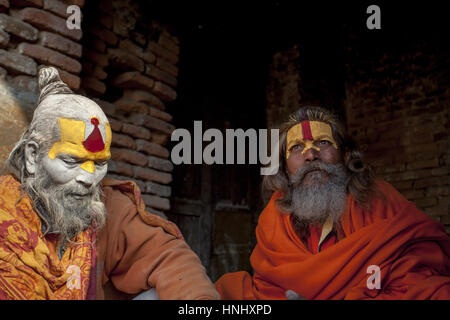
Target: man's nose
x: 85, y: 177
x: 311, y: 155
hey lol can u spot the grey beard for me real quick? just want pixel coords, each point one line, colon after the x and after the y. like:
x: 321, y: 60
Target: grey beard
x: 62, y: 213
x: 318, y: 201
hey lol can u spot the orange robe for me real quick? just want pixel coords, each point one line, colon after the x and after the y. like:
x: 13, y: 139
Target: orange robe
x: 135, y: 251
x: 411, y: 250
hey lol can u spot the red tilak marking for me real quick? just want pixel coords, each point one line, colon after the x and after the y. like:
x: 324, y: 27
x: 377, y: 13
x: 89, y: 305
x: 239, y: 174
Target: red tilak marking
x: 94, y: 143
x: 306, y: 130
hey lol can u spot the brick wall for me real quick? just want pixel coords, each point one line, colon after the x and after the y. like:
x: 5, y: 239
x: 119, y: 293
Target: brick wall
x: 120, y: 58
x: 32, y: 33
x: 396, y: 103
x: 129, y: 65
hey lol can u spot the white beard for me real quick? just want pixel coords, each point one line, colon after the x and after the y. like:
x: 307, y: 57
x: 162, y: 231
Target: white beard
x: 318, y: 201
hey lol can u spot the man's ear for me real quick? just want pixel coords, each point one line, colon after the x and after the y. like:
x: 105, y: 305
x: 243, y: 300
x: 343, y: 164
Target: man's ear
x: 31, y: 153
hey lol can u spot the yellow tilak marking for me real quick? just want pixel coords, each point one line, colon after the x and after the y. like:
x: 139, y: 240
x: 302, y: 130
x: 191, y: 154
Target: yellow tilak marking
x: 318, y: 129
x: 71, y: 143
x: 89, y: 166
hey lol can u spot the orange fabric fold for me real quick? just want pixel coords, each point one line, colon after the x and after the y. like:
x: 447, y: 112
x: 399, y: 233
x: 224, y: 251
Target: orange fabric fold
x: 411, y: 250
x: 29, y: 264
x: 131, y: 190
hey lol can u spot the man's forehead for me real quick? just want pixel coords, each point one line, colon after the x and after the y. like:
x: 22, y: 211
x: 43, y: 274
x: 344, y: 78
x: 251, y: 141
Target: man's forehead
x: 71, y: 106
x: 83, y: 139
x: 309, y: 130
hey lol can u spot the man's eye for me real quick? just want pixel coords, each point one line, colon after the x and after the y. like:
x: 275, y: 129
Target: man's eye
x: 324, y: 142
x: 296, y: 147
x: 70, y: 161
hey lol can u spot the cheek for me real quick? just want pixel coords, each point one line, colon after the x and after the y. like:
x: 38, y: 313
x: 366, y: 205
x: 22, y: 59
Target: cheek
x: 58, y: 172
x: 332, y: 156
x: 100, y: 173
x: 293, y: 163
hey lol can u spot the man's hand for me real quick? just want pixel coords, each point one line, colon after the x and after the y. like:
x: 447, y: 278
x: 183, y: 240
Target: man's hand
x: 292, y: 295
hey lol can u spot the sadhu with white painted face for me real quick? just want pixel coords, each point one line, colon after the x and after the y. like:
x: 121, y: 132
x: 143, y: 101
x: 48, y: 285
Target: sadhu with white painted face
x: 333, y: 231
x: 65, y: 233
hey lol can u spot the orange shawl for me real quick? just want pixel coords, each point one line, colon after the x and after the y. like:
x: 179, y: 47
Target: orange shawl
x: 410, y: 248
x: 29, y: 264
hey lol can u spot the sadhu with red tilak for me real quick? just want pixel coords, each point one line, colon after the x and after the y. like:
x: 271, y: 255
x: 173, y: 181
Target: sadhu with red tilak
x: 61, y: 225
x: 330, y: 221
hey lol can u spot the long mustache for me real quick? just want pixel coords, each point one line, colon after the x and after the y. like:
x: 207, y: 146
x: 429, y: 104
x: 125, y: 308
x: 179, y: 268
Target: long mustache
x: 297, y: 179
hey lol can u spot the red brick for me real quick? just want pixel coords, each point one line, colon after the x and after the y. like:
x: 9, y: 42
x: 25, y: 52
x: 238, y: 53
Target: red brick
x: 409, y: 175
x: 429, y: 182
x: 136, y: 131
x: 104, y: 34
x: 125, y: 61
x: 131, y: 106
x: 440, y: 171
x: 94, y: 43
x: 160, y: 138
x: 160, y: 164
x: 98, y: 58
x: 71, y: 80
x: 422, y: 164
x: 426, y: 202
x: 444, y: 201
x: 438, y: 191
x: 161, y: 75
x: 120, y: 167
x: 47, y: 21
x: 106, y: 21
x: 108, y: 108
x: 413, y: 194
x: 164, y: 91
x: 57, y: 7
x: 167, y: 66
x: 158, y: 189
x: 152, y: 123
x: 25, y: 83
x: 129, y: 46
x: 162, y: 52
x: 4, y: 39
x: 18, y: 28
x: 129, y: 156
x: 122, y: 140
x: 152, y: 148
x: 402, y: 185
x: 94, y: 70
x: 116, y: 125
x: 133, y: 79
x: 93, y: 86
x: 156, y: 202
x: 26, y: 3
x: 439, y: 210
x: 155, y: 112
x: 152, y: 175
x: 60, y: 43
x: 4, y: 5
x: 144, y: 96
x: 169, y: 44
x: 17, y: 63
x: 49, y: 57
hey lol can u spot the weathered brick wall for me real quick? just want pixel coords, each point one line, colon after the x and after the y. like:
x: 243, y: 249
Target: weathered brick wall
x: 396, y: 102
x: 129, y: 65
x: 32, y: 33
x: 121, y: 58
x: 397, y: 105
